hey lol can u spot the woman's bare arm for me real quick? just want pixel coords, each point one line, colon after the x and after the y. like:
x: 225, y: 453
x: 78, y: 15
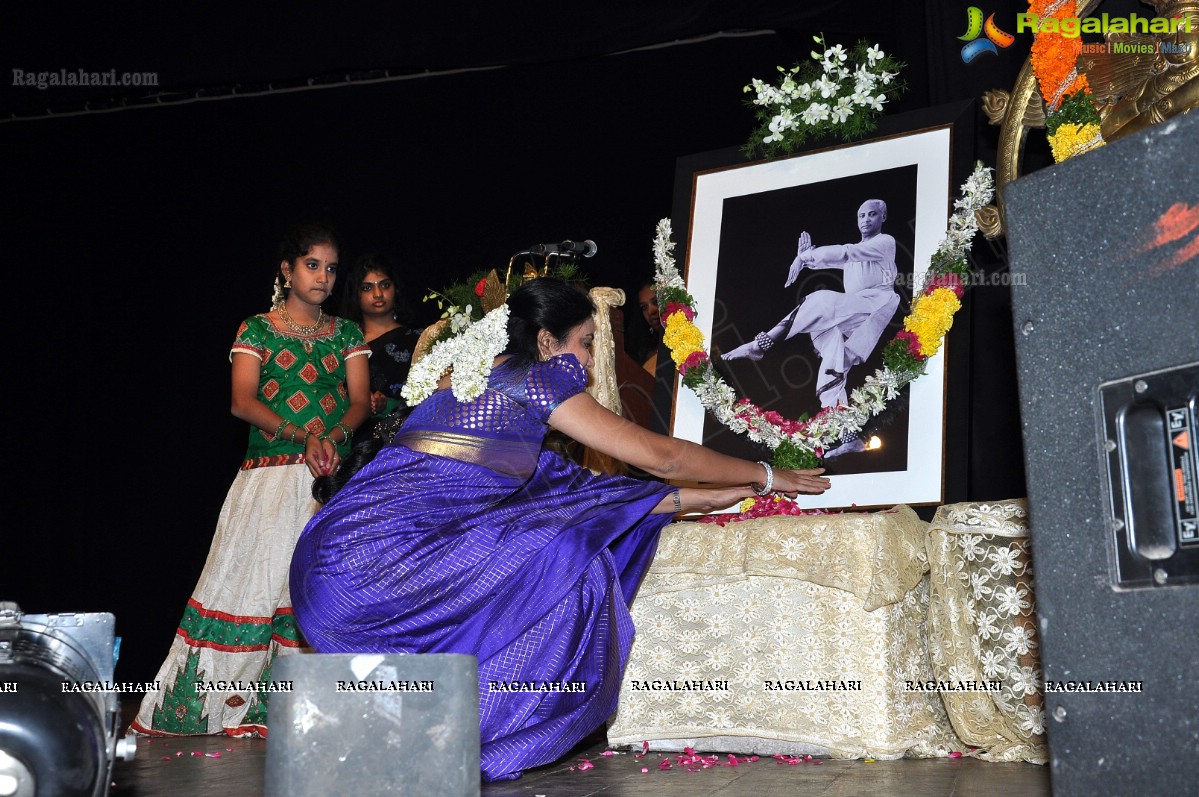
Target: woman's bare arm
x: 585, y: 420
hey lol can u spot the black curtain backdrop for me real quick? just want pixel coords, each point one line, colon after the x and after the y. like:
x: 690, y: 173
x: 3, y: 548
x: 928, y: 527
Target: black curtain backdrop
x: 138, y: 239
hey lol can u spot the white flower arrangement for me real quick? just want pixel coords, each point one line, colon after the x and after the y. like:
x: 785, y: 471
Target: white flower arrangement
x: 838, y: 91
x: 470, y: 353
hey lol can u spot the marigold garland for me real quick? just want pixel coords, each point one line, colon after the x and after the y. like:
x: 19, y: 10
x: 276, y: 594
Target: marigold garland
x: 1070, y: 140
x: 1073, y: 122
x: 1054, y: 56
x: 682, y: 337
x: 931, y: 318
x: 800, y: 443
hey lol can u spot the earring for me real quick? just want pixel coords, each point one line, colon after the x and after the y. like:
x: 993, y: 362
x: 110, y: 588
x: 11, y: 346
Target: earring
x: 287, y: 282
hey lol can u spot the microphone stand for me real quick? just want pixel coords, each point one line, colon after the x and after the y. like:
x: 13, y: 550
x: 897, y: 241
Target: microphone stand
x: 545, y: 263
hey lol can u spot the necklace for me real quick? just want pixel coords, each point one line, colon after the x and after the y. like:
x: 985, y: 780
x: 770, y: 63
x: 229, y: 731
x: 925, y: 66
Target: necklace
x: 302, y: 329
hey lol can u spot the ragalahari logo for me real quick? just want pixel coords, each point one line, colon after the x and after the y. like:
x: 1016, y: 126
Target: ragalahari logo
x: 975, y: 27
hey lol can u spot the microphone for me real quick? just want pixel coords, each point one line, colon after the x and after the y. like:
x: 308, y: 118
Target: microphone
x: 584, y: 248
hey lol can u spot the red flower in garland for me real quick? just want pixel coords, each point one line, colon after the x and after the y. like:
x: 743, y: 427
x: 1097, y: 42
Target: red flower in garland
x: 951, y: 281
x: 913, y: 343
x: 788, y: 426
x: 675, y: 307
x: 481, y: 287
x: 694, y: 359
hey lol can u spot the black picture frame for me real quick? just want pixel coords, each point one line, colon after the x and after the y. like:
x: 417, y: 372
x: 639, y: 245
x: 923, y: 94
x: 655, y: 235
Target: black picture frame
x: 752, y: 262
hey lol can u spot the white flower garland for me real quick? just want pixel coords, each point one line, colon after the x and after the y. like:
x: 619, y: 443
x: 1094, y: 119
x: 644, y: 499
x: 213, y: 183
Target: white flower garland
x: 469, y: 353
x: 829, y: 427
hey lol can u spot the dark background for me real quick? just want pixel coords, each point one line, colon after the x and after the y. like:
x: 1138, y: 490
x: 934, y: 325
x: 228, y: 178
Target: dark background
x: 140, y: 226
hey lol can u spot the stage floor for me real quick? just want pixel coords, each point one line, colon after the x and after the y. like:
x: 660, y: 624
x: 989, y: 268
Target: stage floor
x: 221, y: 767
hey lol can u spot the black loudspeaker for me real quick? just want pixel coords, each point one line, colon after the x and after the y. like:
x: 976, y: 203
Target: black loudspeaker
x: 371, y: 725
x: 1105, y: 299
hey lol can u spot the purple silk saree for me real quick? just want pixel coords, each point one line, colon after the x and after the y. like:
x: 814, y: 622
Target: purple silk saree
x: 464, y: 536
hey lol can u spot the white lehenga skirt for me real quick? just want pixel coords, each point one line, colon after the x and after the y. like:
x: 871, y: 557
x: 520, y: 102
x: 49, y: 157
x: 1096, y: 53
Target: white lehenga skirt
x: 239, y: 617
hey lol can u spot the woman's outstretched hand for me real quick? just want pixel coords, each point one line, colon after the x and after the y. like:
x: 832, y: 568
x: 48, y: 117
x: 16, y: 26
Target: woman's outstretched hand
x: 793, y: 482
x: 710, y: 499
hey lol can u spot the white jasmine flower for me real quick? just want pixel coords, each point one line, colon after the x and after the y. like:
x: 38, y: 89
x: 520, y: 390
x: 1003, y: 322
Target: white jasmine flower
x: 827, y: 88
x: 843, y: 110
x: 816, y: 112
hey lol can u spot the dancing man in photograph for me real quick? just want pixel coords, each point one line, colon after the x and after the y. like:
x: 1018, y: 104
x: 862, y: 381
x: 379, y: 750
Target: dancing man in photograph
x: 844, y: 325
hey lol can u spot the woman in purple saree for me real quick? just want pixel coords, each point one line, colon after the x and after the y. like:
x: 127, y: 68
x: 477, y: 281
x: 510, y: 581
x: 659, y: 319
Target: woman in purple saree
x: 464, y: 535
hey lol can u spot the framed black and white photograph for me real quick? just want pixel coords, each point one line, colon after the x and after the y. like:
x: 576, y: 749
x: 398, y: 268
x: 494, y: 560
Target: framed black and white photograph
x: 803, y: 269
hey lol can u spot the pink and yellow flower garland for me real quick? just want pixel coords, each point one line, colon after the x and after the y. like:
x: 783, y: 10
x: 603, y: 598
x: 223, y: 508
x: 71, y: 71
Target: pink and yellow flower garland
x: 925, y: 327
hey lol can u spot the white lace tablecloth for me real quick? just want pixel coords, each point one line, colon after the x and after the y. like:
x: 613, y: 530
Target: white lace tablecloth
x: 786, y: 635
x: 983, y: 627
x: 817, y: 635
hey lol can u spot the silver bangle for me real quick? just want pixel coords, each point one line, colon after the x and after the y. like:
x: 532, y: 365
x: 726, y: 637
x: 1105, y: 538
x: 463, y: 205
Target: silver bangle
x: 678, y: 502
x: 768, y: 485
